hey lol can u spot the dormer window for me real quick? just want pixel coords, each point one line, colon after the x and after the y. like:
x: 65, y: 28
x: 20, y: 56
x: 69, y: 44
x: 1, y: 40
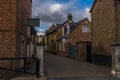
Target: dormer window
x: 68, y: 29
x: 62, y: 30
x: 85, y: 29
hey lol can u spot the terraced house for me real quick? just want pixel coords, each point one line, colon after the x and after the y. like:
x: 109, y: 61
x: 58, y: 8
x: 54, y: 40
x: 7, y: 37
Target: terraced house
x: 51, y: 39
x: 71, y: 39
x: 105, y: 29
x: 56, y: 36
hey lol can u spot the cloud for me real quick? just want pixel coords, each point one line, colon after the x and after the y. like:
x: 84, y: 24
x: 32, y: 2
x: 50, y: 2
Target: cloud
x: 50, y: 12
x: 87, y: 14
x: 55, y: 11
x: 56, y: 8
x: 40, y: 32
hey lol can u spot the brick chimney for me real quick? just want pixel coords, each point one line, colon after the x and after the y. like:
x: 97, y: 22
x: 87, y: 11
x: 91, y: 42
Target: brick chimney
x: 69, y: 17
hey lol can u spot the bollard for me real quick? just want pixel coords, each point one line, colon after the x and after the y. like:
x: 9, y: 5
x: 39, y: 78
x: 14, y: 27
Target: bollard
x: 37, y: 67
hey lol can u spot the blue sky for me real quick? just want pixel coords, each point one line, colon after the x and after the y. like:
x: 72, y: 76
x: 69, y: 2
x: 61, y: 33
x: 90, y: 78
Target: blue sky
x: 55, y: 11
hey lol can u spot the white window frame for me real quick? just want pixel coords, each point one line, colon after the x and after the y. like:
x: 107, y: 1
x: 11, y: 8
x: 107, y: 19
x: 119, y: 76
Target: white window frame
x: 68, y: 29
x: 62, y: 31
x: 85, y: 29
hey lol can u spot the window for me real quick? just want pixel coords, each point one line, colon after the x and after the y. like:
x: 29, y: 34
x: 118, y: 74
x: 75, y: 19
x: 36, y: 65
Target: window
x: 62, y: 30
x: 85, y: 29
x: 68, y: 29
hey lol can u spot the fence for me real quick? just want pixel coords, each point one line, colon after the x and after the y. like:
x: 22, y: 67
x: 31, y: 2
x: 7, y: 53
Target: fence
x: 23, y: 65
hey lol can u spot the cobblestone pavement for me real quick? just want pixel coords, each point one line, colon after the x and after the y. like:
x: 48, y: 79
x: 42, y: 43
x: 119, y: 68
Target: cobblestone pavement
x: 55, y: 65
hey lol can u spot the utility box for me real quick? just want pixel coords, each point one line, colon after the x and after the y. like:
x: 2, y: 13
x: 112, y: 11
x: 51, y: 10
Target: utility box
x: 115, y: 60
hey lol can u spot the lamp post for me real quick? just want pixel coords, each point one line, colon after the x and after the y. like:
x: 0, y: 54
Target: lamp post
x: 115, y: 60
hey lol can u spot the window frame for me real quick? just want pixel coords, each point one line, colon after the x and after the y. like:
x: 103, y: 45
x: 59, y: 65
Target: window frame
x: 85, y: 29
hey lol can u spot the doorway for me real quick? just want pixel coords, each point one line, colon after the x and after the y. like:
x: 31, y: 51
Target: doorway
x: 73, y: 51
x: 88, y: 49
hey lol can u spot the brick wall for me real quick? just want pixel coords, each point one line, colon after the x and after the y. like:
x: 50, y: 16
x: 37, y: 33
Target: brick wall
x: 104, y: 31
x: 81, y: 51
x: 23, y: 13
x: 7, y: 32
x: 13, y: 31
x: 7, y: 14
x: 67, y: 49
x: 13, y: 20
x: 7, y: 28
x: 118, y: 21
x: 78, y: 36
x: 103, y: 27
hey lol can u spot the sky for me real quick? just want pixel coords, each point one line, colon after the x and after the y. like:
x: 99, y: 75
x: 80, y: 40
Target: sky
x: 56, y: 11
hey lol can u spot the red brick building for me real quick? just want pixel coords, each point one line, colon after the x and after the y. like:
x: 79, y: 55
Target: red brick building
x: 13, y: 28
x: 79, y: 40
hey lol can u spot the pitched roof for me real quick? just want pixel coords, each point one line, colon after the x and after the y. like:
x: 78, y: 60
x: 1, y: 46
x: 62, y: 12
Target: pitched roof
x: 81, y: 21
x: 72, y: 27
x: 76, y: 25
x: 62, y: 37
x: 48, y: 32
x: 93, y: 5
x: 64, y: 23
x: 58, y: 26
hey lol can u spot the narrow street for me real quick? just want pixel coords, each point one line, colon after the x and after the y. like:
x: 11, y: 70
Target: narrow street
x: 62, y: 68
x: 55, y: 65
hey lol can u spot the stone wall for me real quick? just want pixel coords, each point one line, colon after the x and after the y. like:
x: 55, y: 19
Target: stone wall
x: 118, y: 21
x: 103, y: 27
x: 104, y: 31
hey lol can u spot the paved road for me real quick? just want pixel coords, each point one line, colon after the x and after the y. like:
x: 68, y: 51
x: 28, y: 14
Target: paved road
x: 62, y: 68
x: 57, y: 66
x: 83, y: 78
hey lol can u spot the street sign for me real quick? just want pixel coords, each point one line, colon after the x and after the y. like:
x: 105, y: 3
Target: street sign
x: 33, y: 22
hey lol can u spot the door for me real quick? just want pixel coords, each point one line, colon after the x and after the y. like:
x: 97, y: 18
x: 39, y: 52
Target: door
x: 72, y: 51
x: 88, y: 52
